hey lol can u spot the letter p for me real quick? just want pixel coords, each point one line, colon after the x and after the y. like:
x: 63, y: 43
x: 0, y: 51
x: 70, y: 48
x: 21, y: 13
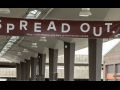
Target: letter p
x: 8, y: 27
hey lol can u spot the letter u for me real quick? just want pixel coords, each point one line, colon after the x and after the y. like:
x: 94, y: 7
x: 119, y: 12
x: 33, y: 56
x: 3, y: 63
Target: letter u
x: 94, y: 31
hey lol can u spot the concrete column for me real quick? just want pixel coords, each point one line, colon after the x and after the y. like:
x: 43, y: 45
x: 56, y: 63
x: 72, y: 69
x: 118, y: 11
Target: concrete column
x: 69, y: 56
x: 53, y: 58
x: 33, y: 68
x: 95, y: 59
x: 18, y: 71
x: 42, y: 59
x: 22, y: 71
x: 115, y: 69
x: 27, y: 70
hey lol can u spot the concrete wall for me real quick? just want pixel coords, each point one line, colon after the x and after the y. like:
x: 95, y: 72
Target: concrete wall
x: 7, y: 72
x: 80, y: 72
x: 78, y: 59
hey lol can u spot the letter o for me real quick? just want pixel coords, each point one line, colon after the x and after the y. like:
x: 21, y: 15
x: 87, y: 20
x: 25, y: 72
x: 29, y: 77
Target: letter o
x: 81, y: 27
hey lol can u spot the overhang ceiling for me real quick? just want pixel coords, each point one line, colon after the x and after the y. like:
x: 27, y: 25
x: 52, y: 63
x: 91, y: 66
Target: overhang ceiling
x: 73, y: 14
x: 98, y: 14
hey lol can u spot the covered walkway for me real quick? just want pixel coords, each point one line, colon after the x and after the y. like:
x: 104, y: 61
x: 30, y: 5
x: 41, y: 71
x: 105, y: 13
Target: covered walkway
x: 29, y: 51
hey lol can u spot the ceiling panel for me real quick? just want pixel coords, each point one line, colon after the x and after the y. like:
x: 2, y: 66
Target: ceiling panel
x: 73, y: 13
x: 15, y: 12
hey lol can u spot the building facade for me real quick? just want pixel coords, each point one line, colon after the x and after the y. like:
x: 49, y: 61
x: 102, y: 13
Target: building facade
x: 112, y: 64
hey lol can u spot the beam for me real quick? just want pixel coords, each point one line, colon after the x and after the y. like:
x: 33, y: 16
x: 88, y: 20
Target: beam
x: 18, y: 58
x: 16, y: 55
x: 27, y: 48
x: 61, y: 39
x: 9, y: 58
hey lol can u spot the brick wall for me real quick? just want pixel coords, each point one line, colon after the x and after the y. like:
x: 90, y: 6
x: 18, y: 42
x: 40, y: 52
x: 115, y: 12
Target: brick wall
x: 113, y: 57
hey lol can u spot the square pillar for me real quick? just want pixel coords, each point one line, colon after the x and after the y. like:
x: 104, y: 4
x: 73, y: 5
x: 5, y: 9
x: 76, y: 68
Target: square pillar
x: 95, y: 59
x: 27, y: 70
x: 22, y: 71
x: 18, y: 71
x: 53, y: 58
x: 69, y: 57
x: 42, y: 59
x: 40, y: 78
x: 33, y: 68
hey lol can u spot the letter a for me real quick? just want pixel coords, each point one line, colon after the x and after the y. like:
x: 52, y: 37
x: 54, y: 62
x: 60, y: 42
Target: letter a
x: 49, y: 27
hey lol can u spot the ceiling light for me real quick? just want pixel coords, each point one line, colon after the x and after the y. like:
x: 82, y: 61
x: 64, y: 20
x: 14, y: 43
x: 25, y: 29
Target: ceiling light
x: 33, y: 12
x: 43, y: 39
x: 85, y: 12
x: 65, y: 46
x: 25, y: 50
x: 34, y: 45
x: 4, y: 11
x: 19, y: 53
x: 15, y: 57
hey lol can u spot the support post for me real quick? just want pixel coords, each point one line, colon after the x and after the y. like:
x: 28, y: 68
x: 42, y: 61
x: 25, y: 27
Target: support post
x: 27, y: 70
x: 22, y: 71
x: 95, y: 59
x: 69, y: 57
x: 33, y: 68
x: 18, y: 71
x: 42, y: 59
x: 53, y: 58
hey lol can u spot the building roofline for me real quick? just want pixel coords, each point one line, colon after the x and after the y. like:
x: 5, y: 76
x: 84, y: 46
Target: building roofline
x: 111, y: 48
